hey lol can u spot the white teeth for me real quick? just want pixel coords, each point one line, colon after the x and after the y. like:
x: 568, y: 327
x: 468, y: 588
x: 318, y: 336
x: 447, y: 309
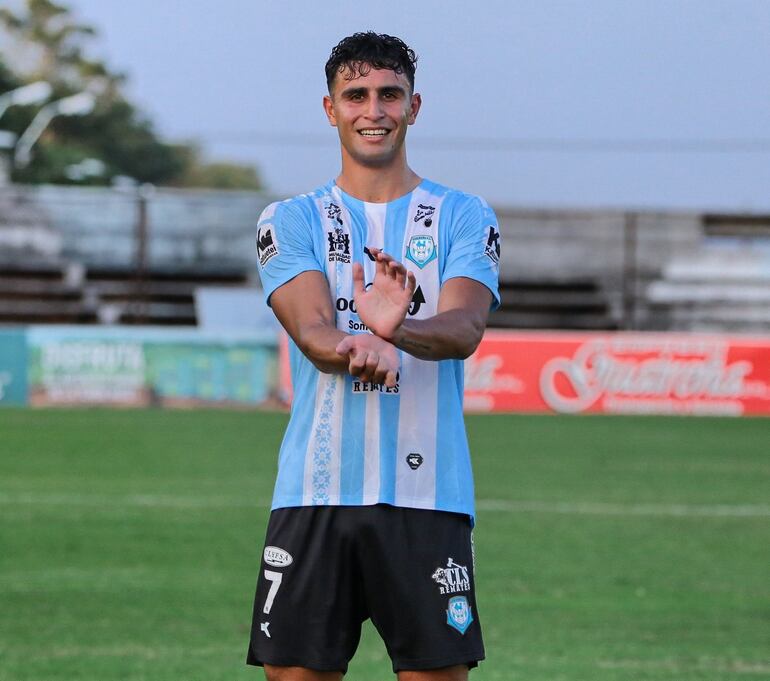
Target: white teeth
x: 373, y: 133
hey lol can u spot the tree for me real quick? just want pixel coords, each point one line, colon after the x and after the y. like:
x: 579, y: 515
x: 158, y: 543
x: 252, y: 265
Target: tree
x: 46, y: 43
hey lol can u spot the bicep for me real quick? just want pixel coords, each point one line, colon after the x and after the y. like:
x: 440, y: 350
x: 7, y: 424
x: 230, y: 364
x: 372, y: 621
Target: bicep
x: 468, y: 296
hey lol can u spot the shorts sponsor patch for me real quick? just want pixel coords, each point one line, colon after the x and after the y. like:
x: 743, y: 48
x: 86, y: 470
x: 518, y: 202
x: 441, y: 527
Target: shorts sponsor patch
x: 458, y: 614
x: 277, y: 557
x: 267, y: 243
x: 452, y: 579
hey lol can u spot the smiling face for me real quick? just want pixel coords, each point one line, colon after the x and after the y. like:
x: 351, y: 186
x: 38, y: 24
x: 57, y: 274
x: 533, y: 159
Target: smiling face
x: 371, y: 113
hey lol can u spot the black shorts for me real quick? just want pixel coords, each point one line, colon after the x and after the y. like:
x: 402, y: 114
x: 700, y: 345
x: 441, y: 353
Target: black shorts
x: 326, y: 569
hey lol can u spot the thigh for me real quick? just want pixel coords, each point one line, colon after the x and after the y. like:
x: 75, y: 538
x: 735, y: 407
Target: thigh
x: 309, y: 606
x: 420, y: 588
x: 299, y: 674
x: 457, y: 673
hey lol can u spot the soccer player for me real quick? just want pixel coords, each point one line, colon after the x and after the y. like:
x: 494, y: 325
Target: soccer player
x: 373, y: 505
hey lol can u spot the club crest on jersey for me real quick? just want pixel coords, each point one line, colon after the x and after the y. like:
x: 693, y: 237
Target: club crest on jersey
x: 492, y: 249
x: 267, y: 244
x: 422, y: 250
x: 458, y: 614
x: 452, y: 579
x: 339, y: 246
x: 425, y: 213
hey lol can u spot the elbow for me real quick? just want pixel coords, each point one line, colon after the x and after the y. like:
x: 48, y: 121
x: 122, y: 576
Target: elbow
x: 471, y: 340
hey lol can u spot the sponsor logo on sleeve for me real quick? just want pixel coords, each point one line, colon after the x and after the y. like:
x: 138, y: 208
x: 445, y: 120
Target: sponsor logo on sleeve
x: 267, y: 244
x: 458, y: 614
x: 421, y: 250
x: 492, y: 249
x: 277, y: 557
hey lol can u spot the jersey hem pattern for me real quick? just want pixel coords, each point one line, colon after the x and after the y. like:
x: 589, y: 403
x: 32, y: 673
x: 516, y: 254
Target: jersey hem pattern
x: 423, y: 505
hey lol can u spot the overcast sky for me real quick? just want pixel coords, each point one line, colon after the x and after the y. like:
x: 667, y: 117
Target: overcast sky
x: 654, y: 103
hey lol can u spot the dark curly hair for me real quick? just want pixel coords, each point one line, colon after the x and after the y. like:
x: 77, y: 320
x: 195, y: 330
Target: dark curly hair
x: 359, y: 53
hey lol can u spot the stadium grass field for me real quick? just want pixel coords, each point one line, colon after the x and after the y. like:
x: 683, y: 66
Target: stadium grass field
x: 608, y: 549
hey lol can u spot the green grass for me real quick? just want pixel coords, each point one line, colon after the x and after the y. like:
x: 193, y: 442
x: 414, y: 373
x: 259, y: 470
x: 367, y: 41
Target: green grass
x: 608, y: 549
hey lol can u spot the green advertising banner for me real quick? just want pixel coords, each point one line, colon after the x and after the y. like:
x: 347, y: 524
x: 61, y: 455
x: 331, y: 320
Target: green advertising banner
x: 148, y: 366
x: 13, y: 367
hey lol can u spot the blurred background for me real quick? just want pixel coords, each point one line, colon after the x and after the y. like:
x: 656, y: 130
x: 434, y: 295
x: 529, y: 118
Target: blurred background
x: 625, y: 147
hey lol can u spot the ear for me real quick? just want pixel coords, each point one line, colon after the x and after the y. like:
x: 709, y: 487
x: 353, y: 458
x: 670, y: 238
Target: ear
x: 414, y: 107
x: 329, y: 110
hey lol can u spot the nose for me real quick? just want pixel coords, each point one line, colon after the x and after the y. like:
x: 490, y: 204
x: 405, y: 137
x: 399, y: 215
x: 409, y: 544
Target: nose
x: 374, y: 109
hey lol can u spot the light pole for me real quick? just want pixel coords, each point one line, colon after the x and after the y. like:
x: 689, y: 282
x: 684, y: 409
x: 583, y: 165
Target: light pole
x: 34, y: 93
x: 76, y: 105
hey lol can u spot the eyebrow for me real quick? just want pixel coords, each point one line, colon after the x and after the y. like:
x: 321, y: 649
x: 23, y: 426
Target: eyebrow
x: 352, y: 91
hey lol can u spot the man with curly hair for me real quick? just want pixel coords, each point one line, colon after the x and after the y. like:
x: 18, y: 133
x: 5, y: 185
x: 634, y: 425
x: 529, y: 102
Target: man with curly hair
x: 383, y: 281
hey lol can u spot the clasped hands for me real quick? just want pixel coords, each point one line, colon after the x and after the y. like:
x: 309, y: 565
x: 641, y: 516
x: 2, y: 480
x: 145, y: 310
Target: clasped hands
x: 373, y: 357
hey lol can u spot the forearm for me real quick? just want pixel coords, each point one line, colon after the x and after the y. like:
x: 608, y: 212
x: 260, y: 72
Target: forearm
x: 454, y: 334
x: 318, y: 343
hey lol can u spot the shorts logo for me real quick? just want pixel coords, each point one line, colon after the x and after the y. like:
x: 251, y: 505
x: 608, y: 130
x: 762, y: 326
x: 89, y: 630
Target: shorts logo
x: 458, y: 614
x: 339, y: 246
x: 452, y: 579
x: 422, y: 250
x: 426, y: 213
x: 277, y: 557
x: 267, y: 246
x: 492, y: 249
x: 414, y: 460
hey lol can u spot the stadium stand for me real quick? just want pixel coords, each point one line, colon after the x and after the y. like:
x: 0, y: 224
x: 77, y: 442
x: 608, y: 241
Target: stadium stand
x: 724, y: 283
x: 97, y: 255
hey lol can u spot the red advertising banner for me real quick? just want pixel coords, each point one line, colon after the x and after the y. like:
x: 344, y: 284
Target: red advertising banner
x: 612, y: 373
x: 619, y: 373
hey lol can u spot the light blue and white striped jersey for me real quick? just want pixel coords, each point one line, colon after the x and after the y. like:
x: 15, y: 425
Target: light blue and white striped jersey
x: 354, y: 443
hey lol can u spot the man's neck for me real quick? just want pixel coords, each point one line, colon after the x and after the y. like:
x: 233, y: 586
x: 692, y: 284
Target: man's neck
x: 377, y: 185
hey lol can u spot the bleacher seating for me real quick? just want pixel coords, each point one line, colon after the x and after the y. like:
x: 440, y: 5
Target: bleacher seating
x: 59, y: 292
x: 579, y: 304
x: 721, y: 287
x: 70, y: 255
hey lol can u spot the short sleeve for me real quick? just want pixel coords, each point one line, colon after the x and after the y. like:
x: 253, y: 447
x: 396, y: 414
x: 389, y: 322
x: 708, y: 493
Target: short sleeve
x: 474, y: 248
x: 284, y: 246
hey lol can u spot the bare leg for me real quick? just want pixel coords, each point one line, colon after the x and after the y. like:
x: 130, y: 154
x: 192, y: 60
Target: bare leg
x: 273, y: 673
x: 458, y: 673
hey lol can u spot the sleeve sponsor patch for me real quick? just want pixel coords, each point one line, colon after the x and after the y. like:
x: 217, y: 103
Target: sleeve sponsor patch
x: 492, y: 248
x: 267, y: 243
